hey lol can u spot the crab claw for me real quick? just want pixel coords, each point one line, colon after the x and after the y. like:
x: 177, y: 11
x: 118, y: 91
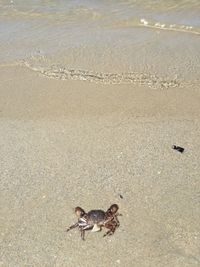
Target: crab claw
x: 79, y: 212
x: 96, y: 228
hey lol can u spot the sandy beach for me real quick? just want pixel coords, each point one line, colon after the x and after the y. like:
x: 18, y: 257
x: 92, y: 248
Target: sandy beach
x: 74, y: 143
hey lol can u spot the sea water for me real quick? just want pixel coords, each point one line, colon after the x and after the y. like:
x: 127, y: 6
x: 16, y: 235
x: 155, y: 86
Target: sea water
x: 153, y: 42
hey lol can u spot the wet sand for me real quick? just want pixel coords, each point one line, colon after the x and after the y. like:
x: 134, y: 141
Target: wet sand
x: 74, y: 143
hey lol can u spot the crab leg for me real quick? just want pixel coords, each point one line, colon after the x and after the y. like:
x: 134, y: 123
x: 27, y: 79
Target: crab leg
x: 83, y: 229
x: 72, y: 226
x: 82, y: 233
x: 112, y: 227
x: 116, y: 219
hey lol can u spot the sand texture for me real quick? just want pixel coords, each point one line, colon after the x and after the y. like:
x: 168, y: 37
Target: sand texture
x: 74, y: 143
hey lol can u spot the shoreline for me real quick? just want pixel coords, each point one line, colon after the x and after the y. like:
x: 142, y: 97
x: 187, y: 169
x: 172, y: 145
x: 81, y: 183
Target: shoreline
x: 27, y: 95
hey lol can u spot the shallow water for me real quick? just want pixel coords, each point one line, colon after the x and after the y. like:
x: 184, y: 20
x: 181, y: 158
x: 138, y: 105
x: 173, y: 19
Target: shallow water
x: 155, y: 41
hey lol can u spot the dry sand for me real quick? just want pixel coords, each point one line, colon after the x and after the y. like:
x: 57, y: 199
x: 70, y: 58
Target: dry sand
x: 69, y: 143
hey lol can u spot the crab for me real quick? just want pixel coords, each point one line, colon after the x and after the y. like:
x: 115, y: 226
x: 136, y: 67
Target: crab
x: 94, y: 220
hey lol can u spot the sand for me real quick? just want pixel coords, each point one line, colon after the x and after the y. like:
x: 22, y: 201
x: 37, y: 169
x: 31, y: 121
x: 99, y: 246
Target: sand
x: 73, y: 143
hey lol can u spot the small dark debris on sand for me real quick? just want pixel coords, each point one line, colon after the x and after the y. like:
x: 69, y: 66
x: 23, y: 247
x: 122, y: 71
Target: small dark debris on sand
x: 178, y: 148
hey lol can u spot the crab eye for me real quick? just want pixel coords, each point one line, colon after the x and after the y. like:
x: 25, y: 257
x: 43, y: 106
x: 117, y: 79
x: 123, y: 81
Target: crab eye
x: 114, y: 208
x: 79, y: 212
